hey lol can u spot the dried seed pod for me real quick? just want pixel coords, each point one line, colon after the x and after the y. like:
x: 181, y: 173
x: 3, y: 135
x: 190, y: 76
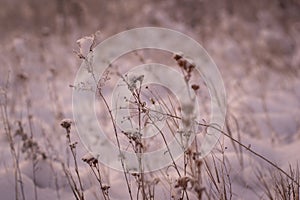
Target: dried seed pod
x: 90, y: 159
x: 178, y: 55
x: 195, y: 87
x: 182, y: 182
x: 66, y: 123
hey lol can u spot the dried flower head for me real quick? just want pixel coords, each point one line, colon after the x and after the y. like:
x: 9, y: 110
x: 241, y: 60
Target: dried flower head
x: 182, y: 182
x: 73, y: 145
x: 90, y: 159
x: 105, y: 187
x: 29, y: 146
x: 186, y: 64
x: 133, y: 79
x: 195, y: 87
x: 178, y: 55
x: 66, y: 123
x: 134, y: 136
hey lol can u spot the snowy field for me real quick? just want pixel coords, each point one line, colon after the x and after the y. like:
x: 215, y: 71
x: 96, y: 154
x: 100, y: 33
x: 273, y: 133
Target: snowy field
x: 256, y: 47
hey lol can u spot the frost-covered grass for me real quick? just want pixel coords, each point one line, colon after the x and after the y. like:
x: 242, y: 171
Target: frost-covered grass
x: 48, y: 164
x: 257, y: 53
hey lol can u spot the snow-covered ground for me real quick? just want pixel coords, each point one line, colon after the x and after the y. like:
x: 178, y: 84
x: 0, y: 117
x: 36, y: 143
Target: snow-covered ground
x: 259, y: 63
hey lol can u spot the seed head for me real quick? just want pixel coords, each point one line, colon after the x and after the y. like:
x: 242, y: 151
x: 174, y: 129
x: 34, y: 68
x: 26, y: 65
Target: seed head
x: 195, y: 87
x: 178, y: 55
x: 66, y: 123
x: 182, y: 182
x: 90, y: 159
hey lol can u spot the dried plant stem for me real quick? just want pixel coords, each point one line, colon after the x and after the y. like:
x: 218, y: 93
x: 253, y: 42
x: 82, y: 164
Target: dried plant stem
x: 71, y: 181
x: 73, y: 152
x: 137, y: 95
x: 17, y: 171
x: 166, y: 143
x: 118, y: 142
x: 253, y: 152
x: 33, y: 159
x: 242, y: 145
x: 90, y: 70
x: 169, y: 151
x: 7, y: 130
x: 99, y: 179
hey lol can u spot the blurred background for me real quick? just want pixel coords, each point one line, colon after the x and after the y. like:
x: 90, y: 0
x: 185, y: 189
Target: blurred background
x: 235, y: 33
x: 255, y: 44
